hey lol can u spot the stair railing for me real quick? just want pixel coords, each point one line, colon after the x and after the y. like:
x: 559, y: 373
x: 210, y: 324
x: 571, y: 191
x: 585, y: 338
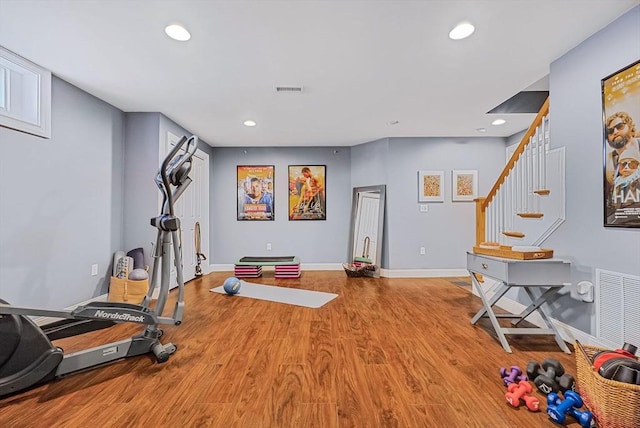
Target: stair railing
x: 518, y: 187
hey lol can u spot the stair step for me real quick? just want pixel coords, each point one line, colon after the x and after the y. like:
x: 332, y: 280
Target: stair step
x: 513, y: 234
x: 531, y: 215
x: 542, y: 192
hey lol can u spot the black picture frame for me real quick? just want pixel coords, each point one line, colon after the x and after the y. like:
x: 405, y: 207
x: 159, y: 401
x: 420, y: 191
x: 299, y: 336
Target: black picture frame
x: 621, y: 147
x: 307, y: 192
x: 255, y: 192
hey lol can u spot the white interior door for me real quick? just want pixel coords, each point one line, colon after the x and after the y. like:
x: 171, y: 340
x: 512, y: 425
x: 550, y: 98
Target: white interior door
x: 367, y: 225
x: 192, y: 208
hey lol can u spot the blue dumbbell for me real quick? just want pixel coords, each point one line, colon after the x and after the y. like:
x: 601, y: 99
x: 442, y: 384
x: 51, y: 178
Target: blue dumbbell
x: 558, y: 409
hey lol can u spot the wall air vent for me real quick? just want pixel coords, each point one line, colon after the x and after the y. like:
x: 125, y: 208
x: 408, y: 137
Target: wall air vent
x: 288, y: 88
x: 617, y: 309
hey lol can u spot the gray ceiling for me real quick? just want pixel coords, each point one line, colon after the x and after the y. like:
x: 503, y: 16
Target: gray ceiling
x: 363, y: 65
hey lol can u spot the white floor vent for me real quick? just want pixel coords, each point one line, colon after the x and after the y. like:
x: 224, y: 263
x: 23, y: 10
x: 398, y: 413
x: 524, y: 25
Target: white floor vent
x: 617, y: 308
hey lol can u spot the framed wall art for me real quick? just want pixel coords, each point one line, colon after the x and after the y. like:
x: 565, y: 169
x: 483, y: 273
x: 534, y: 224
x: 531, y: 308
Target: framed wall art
x: 430, y: 186
x: 464, y: 185
x: 621, y: 147
x: 255, y: 192
x: 307, y: 194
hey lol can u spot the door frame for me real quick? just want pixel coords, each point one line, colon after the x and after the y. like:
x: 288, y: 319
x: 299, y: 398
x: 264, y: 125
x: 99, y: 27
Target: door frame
x: 169, y: 140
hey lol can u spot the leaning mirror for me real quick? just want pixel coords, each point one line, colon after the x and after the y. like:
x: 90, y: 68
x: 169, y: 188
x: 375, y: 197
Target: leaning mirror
x: 367, y: 223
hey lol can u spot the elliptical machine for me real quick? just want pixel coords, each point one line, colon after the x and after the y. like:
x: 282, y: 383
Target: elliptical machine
x: 27, y: 356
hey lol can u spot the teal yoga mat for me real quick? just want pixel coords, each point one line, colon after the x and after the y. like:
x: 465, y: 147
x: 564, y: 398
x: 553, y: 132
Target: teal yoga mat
x: 290, y: 296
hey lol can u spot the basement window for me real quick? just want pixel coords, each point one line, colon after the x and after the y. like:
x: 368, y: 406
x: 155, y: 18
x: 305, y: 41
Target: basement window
x: 25, y: 95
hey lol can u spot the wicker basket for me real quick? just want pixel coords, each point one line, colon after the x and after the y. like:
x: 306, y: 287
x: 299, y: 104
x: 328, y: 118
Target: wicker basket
x: 354, y: 271
x: 614, y: 404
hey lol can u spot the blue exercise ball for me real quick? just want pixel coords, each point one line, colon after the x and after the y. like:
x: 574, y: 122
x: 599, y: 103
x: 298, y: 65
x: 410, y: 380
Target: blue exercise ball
x: 232, y: 285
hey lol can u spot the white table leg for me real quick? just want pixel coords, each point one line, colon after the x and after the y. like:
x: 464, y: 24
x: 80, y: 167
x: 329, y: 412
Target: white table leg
x: 487, y: 309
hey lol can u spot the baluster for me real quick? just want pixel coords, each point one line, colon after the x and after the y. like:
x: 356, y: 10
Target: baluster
x: 536, y: 199
x: 508, y: 211
x: 494, y: 236
x: 534, y: 159
x: 500, y: 214
x: 491, y: 225
x: 545, y: 150
x: 516, y: 184
x: 527, y: 176
x: 523, y: 182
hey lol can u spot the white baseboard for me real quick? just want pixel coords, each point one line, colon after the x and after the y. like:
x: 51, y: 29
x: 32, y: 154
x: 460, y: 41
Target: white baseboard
x: 386, y: 273
x: 422, y: 273
x: 321, y: 266
x: 221, y: 268
x: 303, y: 266
x: 47, y: 320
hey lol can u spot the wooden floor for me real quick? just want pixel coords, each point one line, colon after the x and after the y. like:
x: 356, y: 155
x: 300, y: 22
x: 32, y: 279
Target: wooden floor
x: 385, y: 353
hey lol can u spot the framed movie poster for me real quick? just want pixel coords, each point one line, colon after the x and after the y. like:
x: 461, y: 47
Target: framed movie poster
x: 621, y: 143
x: 307, y: 197
x: 430, y: 186
x: 255, y: 192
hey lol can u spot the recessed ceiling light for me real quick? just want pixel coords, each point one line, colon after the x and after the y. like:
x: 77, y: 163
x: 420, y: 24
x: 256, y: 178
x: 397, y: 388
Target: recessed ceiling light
x: 177, y: 32
x: 481, y: 129
x: 462, y: 31
x: 249, y: 123
x: 394, y: 122
x: 499, y: 122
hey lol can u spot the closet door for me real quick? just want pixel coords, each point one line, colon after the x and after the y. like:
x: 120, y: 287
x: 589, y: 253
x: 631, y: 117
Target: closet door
x: 192, y: 208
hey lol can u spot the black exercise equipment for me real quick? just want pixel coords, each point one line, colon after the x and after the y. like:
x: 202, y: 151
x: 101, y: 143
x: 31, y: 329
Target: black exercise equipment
x: 620, y: 365
x: 27, y: 356
x: 549, y: 376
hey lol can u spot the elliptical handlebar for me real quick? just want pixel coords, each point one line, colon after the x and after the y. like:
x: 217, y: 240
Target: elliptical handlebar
x: 174, y: 170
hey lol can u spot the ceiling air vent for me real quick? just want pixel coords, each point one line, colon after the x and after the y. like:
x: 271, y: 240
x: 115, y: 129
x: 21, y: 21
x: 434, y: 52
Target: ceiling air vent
x: 288, y: 88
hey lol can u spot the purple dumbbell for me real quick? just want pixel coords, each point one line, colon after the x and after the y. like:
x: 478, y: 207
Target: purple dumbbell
x: 513, y: 375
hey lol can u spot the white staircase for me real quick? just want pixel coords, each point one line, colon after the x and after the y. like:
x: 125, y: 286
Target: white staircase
x: 527, y: 202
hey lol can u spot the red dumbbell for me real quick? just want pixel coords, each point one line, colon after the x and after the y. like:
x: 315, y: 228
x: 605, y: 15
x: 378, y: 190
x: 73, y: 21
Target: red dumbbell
x: 518, y: 391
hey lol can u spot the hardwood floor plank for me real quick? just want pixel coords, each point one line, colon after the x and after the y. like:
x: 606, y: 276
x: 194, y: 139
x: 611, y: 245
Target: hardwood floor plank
x: 386, y: 352
x: 322, y: 363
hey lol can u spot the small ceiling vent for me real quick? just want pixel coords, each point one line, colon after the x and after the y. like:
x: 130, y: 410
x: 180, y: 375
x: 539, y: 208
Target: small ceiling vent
x: 288, y: 88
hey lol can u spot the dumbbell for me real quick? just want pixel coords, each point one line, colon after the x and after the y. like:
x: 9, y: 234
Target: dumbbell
x: 550, y: 377
x: 513, y: 375
x: 557, y: 409
x: 518, y: 391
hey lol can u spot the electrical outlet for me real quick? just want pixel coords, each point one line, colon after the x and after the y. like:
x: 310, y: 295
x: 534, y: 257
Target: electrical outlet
x: 423, y: 251
x: 268, y: 246
x: 94, y: 269
x: 424, y: 208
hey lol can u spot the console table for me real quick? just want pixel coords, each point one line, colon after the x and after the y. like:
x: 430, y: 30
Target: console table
x: 540, y: 279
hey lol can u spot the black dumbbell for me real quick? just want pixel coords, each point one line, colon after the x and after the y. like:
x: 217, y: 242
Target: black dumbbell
x: 549, y: 376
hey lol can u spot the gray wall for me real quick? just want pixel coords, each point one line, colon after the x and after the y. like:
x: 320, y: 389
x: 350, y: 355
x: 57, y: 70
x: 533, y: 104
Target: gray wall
x: 447, y: 230
x: 576, y: 114
x: 312, y: 241
x: 370, y: 163
x: 144, y: 135
x: 61, y: 202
